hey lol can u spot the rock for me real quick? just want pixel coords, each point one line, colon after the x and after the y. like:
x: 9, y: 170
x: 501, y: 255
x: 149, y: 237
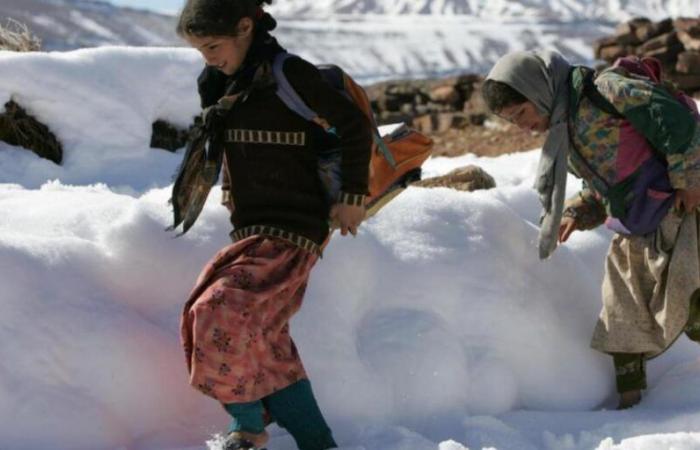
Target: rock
x: 690, y: 42
x: 478, y: 119
x: 468, y: 85
x: 602, y: 43
x: 475, y: 108
x: 688, y: 83
x: 688, y: 63
x: 458, y: 120
x: 687, y: 24
x: 645, y: 32
x: 421, y: 109
x: 439, y: 122
x: 423, y: 123
x: 625, y: 33
x: 21, y: 129
x: 667, y: 40
x: 666, y: 55
x: 675, y: 43
x: 389, y: 102
x: 468, y: 178
x: 611, y: 53
x: 407, y: 108
x: 445, y: 95
x: 387, y: 117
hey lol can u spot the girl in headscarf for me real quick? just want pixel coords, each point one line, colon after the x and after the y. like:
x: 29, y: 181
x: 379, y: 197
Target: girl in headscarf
x: 235, y: 325
x: 637, y: 149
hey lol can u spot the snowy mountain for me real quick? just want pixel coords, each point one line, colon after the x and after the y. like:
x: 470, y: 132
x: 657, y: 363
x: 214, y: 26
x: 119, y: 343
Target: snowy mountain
x: 558, y: 10
x: 371, y: 39
x: 71, y: 24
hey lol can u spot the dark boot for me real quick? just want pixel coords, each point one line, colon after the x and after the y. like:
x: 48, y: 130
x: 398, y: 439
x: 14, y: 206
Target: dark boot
x: 630, y: 377
x: 238, y: 440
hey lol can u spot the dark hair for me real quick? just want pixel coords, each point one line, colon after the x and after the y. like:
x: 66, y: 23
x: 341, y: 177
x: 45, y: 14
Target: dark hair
x: 498, y: 95
x: 219, y: 17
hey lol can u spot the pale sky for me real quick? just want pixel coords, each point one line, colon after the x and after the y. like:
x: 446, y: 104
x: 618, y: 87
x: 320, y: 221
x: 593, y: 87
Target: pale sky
x: 168, y: 6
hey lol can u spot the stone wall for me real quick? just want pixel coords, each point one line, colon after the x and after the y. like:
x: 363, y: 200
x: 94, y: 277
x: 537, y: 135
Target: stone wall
x: 674, y: 42
x: 429, y: 105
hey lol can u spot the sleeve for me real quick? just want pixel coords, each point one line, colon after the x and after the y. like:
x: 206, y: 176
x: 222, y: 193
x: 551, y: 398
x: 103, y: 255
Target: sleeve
x: 668, y: 125
x: 586, y: 209
x: 353, y: 127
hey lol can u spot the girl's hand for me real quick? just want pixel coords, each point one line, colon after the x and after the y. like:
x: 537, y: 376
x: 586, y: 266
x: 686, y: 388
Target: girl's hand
x: 347, y: 217
x: 687, y: 199
x: 567, y: 226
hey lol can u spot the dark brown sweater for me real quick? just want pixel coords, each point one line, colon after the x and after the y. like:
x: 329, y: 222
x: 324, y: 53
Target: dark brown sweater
x: 271, y: 163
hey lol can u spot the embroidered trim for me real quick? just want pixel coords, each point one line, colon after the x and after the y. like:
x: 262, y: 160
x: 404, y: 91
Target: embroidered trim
x: 265, y: 230
x: 351, y: 199
x: 296, y: 138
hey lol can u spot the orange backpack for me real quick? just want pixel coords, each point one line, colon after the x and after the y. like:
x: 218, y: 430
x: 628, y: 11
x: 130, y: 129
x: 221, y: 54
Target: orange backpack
x: 396, y: 158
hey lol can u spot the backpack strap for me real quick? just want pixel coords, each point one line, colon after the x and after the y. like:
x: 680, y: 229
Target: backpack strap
x: 591, y: 92
x: 286, y: 92
x: 293, y: 101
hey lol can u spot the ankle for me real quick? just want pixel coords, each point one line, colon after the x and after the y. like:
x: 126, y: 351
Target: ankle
x: 629, y: 399
x: 257, y: 439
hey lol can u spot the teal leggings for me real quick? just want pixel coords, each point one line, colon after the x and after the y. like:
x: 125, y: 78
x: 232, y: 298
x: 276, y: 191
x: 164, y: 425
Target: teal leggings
x: 293, y: 408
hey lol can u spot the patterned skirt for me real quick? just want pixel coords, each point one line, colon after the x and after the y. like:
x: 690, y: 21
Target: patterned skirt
x: 648, y: 286
x: 235, y: 324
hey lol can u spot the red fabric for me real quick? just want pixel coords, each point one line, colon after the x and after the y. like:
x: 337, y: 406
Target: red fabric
x: 647, y: 66
x: 235, y: 325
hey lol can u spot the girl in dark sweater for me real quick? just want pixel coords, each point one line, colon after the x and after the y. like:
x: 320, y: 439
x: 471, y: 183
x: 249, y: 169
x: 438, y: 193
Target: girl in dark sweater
x: 235, y: 325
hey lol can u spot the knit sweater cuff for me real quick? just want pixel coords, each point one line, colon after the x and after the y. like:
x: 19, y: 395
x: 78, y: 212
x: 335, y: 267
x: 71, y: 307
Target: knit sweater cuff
x: 347, y: 198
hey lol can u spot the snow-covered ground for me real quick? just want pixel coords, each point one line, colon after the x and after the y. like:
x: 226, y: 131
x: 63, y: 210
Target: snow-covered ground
x: 436, y: 328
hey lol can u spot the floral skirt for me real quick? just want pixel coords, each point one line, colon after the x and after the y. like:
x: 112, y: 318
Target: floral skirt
x: 235, y: 324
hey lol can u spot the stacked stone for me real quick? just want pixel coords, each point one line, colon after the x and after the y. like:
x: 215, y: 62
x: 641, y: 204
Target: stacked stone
x: 428, y: 105
x: 675, y: 43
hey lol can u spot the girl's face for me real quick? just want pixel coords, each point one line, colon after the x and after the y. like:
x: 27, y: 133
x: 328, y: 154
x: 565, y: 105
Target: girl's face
x: 226, y: 53
x: 526, y: 116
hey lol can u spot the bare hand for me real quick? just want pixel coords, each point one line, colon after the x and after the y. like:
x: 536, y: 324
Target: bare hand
x: 347, y: 217
x: 687, y: 199
x: 566, y: 227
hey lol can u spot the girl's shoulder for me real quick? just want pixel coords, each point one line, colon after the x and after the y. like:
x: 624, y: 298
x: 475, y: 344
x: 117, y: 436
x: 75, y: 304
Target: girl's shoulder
x: 296, y: 68
x: 624, y: 90
x: 305, y: 79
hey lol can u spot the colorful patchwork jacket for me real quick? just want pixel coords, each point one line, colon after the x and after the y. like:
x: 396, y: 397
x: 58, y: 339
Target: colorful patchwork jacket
x: 650, y: 134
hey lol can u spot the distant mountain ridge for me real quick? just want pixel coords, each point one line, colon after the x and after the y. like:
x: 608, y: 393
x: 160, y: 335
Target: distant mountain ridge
x: 71, y: 24
x: 560, y: 10
x: 371, y: 39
